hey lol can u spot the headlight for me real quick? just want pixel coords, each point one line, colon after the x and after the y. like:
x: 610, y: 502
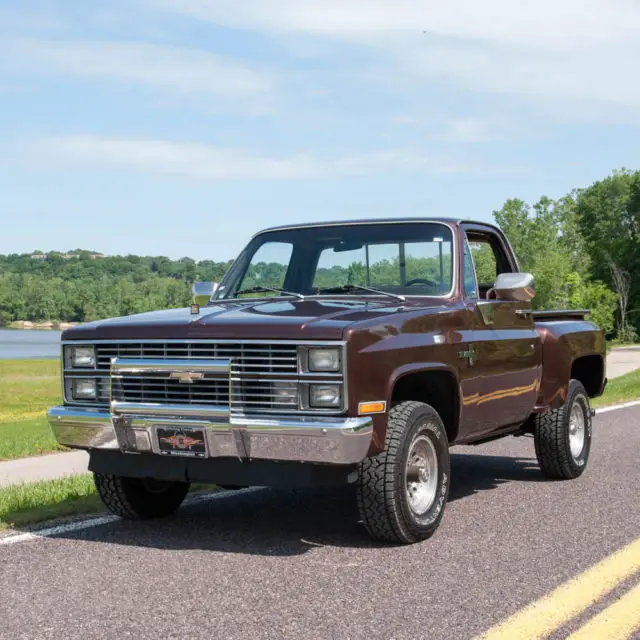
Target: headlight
x: 83, y: 357
x: 324, y: 396
x: 324, y: 360
x: 82, y: 389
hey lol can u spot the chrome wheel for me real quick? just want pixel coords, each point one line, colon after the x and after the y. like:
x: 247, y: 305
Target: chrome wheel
x: 576, y: 430
x: 421, y: 475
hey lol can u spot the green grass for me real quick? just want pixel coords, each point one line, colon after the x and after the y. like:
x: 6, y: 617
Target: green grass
x: 35, y: 502
x: 27, y: 389
x: 621, y: 389
x: 22, y: 438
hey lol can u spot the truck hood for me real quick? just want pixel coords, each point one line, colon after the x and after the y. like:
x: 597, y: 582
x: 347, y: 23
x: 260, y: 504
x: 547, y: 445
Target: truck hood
x: 314, y: 319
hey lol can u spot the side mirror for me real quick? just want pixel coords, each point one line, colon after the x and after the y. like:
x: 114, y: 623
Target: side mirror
x: 514, y: 286
x: 203, y: 291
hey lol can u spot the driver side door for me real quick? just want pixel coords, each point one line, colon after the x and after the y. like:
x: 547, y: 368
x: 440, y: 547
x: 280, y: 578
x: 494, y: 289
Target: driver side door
x: 505, y: 352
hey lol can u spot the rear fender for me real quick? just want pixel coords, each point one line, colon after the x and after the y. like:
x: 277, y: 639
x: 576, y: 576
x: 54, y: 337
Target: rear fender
x: 563, y: 343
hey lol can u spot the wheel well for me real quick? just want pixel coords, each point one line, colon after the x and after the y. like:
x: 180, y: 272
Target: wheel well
x: 589, y: 370
x: 437, y: 388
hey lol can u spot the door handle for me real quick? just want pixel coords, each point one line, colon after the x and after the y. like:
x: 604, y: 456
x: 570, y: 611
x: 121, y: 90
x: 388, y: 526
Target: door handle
x: 523, y: 313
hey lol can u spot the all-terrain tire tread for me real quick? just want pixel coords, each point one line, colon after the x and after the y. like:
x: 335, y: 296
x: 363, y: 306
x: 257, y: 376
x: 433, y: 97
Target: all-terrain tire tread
x: 552, y: 451
x: 114, y: 496
x: 126, y: 497
x: 377, y: 507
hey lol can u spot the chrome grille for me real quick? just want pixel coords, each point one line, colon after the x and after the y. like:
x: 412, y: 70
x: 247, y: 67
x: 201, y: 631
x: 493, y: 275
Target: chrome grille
x: 246, y: 358
x: 257, y: 370
x: 154, y: 389
x: 103, y: 390
x: 247, y: 394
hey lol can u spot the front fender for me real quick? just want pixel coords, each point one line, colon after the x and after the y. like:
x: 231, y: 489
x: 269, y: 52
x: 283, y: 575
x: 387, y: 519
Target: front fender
x: 418, y: 367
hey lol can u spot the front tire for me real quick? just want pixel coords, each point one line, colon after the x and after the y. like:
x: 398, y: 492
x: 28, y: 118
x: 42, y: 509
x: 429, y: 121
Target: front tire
x: 137, y: 498
x: 402, y: 492
x: 563, y: 436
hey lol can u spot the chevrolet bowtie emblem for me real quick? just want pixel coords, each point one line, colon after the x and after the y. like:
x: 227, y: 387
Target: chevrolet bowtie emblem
x: 186, y: 377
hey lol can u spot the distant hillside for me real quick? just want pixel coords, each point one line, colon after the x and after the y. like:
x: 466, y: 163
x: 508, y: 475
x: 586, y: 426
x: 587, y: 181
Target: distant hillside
x: 81, y: 285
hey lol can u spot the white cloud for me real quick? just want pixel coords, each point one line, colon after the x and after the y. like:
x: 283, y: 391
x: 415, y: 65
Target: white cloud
x: 178, y: 71
x: 211, y: 163
x: 572, y: 49
x: 544, y: 24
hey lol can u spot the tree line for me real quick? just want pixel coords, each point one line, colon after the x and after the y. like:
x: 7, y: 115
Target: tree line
x: 84, y: 287
x: 583, y: 249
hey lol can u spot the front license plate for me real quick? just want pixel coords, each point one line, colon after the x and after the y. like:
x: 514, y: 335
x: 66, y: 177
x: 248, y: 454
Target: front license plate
x: 181, y: 441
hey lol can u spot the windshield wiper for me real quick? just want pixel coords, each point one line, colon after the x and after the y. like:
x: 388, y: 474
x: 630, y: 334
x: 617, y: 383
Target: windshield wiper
x: 350, y: 288
x: 265, y: 289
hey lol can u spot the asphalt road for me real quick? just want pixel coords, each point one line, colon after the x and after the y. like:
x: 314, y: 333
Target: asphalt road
x: 265, y: 564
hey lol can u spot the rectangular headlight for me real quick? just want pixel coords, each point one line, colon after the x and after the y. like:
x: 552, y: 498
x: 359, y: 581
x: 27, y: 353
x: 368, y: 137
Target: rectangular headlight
x: 324, y: 396
x: 80, y: 357
x: 84, y: 389
x: 324, y: 360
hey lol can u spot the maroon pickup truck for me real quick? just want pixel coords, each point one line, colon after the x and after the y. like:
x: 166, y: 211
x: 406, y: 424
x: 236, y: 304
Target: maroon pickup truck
x: 348, y: 352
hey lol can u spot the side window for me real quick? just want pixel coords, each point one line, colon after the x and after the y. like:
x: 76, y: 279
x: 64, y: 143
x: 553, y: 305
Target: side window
x: 484, y: 260
x: 468, y: 273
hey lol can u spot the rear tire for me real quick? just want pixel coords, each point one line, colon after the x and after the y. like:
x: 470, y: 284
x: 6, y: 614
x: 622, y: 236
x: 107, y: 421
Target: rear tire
x: 563, y: 436
x: 137, y: 498
x: 402, y: 492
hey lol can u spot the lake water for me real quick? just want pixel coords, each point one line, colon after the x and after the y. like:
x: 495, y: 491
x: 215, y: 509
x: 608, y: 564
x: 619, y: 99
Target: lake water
x: 29, y: 343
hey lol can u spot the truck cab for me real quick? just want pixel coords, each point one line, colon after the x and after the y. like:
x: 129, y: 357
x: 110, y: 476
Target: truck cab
x: 353, y: 352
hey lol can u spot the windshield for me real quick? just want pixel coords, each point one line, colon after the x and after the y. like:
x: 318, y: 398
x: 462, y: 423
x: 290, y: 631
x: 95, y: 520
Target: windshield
x: 400, y: 258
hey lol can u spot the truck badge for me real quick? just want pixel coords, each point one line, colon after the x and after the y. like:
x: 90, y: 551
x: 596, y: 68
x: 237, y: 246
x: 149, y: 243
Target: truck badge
x: 469, y: 355
x: 186, y: 377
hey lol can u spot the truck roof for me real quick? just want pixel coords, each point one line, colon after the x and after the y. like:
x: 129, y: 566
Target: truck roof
x: 339, y: 223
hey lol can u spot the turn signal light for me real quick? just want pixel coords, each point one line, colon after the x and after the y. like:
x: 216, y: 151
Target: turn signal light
x: 365, y: 408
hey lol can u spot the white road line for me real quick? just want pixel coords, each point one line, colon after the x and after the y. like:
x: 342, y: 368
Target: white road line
x: 79, y: 525
x: 615, y: 407
x: 54, y: 531
x: 196, y: 499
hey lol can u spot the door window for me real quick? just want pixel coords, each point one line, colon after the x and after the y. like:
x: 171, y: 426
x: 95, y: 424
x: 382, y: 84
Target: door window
x: 484, y: 261
x: 468, y: 273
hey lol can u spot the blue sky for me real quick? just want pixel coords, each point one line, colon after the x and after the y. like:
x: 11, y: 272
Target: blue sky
x: 180, y: 127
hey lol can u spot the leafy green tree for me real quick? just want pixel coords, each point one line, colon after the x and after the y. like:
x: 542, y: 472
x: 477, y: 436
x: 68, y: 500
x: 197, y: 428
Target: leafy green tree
x: 608, y: 215
x: 536, y: 238
x: 594, y: 296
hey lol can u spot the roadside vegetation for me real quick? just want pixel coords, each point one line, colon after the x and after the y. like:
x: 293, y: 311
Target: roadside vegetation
x: 622, y: 389
x: 27, y: 389
x: 35, y: 502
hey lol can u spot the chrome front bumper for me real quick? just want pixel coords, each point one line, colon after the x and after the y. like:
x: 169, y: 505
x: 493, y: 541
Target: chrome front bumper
x: 285, y: 438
